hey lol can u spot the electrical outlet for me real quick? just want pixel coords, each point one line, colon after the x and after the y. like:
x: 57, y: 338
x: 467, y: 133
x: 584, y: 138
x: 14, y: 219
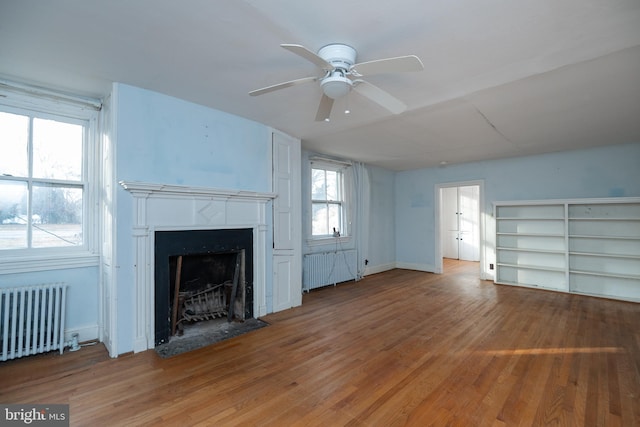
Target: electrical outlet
x: 490, y: 266
x: 366, y: 262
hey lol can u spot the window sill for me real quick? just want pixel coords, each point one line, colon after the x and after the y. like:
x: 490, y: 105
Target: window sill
x: 27, y: 264
x: 324, y: 241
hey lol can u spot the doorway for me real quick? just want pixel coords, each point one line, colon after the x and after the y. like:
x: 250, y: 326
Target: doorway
x: 458, y: 223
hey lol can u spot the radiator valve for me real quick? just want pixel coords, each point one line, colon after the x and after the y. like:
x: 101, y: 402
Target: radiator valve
x: 73, y: 345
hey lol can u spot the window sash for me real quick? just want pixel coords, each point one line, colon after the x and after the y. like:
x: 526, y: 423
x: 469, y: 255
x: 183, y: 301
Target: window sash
x: 328, y: 200
x: 327, y: 217
x: 42, y: 239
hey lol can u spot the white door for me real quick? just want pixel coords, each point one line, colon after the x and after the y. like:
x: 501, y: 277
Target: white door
x: 283, y: 182
x: 282, y: 281
x: 468, y: 223
x: 460, y: 215
x: 287, y: 225
x: 449, y: 222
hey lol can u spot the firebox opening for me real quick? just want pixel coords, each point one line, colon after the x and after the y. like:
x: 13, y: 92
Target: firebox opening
x: 210, y: 272
x: 206, y: 287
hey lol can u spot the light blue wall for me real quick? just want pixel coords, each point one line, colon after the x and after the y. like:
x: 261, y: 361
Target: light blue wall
x: 82, y: 296
x: 167, y: 140
x: 160, y: 139
x: 612, y: 171
x: 382, y: 248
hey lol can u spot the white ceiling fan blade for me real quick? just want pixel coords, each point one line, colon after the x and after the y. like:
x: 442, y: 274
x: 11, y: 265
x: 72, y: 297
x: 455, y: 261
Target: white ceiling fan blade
x: 282, y: 85
x: 389, y: 65
x: 380, y: 97
x: 324, y: 109
x: 308, y: 55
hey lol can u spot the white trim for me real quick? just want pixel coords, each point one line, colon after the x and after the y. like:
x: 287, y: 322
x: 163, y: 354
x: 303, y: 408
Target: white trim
x: 173, y: 207
x: 108, y: 296
x: 569, y: 201
x: 324, y: 241
x: 166, y: 190
x: 57, y: 97
x: 325, y: 160
x: 417, y: 267
x: 12, y: 265
x: 85, y: 333
x: 379, y: 268
x: 347, y: 203
x: 42, y: 103
x: 437, y: 208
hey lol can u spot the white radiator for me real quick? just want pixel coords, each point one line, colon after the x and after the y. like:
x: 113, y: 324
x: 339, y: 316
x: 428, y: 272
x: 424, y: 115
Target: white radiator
x: 32, y: 320
x: 329, y: 268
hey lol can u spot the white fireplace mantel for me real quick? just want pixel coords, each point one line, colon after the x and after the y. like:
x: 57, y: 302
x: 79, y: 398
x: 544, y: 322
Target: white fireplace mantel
x: 173, y: 207
x: 167, y: 190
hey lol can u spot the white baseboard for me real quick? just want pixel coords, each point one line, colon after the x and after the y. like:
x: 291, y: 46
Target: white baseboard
x: 85, y: 333
x: 374, y: 269
x: 404, y: 265
x: 418, y: 267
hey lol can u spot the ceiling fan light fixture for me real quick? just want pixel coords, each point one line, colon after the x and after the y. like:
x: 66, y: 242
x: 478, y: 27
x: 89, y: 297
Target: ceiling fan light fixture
x: 336, y: 85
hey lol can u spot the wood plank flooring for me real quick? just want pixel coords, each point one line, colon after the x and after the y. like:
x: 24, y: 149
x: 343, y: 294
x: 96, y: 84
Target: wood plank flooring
x: 397, y: 348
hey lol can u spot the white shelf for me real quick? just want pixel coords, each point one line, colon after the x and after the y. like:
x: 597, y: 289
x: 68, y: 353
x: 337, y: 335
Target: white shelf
x: 533, y: 267
x: 592, y: 236
x: 605, y: 255
x: 603, y: 219
x: 531, y: 234
x: 594, y: 273
x: 544, y: 251
x: 593, y: 244
x: 515, y: 218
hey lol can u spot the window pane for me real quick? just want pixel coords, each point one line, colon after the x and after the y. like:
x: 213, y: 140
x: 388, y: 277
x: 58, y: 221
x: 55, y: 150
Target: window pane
x: 318, y: 185
x: 57, y: 216
x: 333, y: 185
x: 326, y: 218
x: 57, y: 150
x: 14, y: 136
x: 334, y: 218
x: 13, y: 215
x: 319, y: 222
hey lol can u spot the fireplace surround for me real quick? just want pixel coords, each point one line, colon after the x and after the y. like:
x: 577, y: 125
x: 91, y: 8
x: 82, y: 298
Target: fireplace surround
x: 160, y: 207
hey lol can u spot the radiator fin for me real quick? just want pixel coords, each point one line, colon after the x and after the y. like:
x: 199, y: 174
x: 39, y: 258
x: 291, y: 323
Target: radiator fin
x: 32, y: 320
x: 329, y: 268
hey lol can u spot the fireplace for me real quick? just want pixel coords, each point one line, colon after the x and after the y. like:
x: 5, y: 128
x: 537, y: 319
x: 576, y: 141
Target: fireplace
x: 212, y: 272
x: 163, y: 207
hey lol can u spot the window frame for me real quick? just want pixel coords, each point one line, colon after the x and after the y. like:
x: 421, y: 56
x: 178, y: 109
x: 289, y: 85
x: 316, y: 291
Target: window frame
x: 49, y: 105
x: 345, y: 204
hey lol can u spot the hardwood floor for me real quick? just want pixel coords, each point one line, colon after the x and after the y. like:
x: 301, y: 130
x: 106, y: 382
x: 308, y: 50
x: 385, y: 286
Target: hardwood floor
x: 397, y: 348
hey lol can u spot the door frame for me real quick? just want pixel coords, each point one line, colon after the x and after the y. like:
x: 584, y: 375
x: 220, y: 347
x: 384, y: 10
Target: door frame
x: 438, y: 235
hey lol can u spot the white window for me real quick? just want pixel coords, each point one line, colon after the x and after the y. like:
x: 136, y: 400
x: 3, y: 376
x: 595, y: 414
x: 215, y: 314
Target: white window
x: 45, y: 173
x: 328, y: 200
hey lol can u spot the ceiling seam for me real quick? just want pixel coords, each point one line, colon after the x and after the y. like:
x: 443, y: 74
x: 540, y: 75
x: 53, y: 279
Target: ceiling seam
x: 486, y: 119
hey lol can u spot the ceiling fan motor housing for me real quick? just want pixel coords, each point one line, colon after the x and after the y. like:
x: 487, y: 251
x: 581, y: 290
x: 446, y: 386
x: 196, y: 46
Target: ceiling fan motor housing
x: 336, y: 84
x: 338, y: 55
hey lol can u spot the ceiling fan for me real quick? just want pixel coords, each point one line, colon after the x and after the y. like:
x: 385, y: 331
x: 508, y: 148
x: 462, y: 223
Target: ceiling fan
x: 342, y: 73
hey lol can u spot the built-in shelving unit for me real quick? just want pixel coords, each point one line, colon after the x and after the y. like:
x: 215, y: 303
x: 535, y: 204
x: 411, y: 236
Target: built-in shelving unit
x: 586, y: 246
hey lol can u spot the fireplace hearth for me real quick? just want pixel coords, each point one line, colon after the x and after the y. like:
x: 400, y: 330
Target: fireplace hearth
x: 200, y: 276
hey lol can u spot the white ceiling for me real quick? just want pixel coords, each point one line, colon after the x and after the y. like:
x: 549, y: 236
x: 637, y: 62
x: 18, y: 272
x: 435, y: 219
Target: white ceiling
x: 501, y: 78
